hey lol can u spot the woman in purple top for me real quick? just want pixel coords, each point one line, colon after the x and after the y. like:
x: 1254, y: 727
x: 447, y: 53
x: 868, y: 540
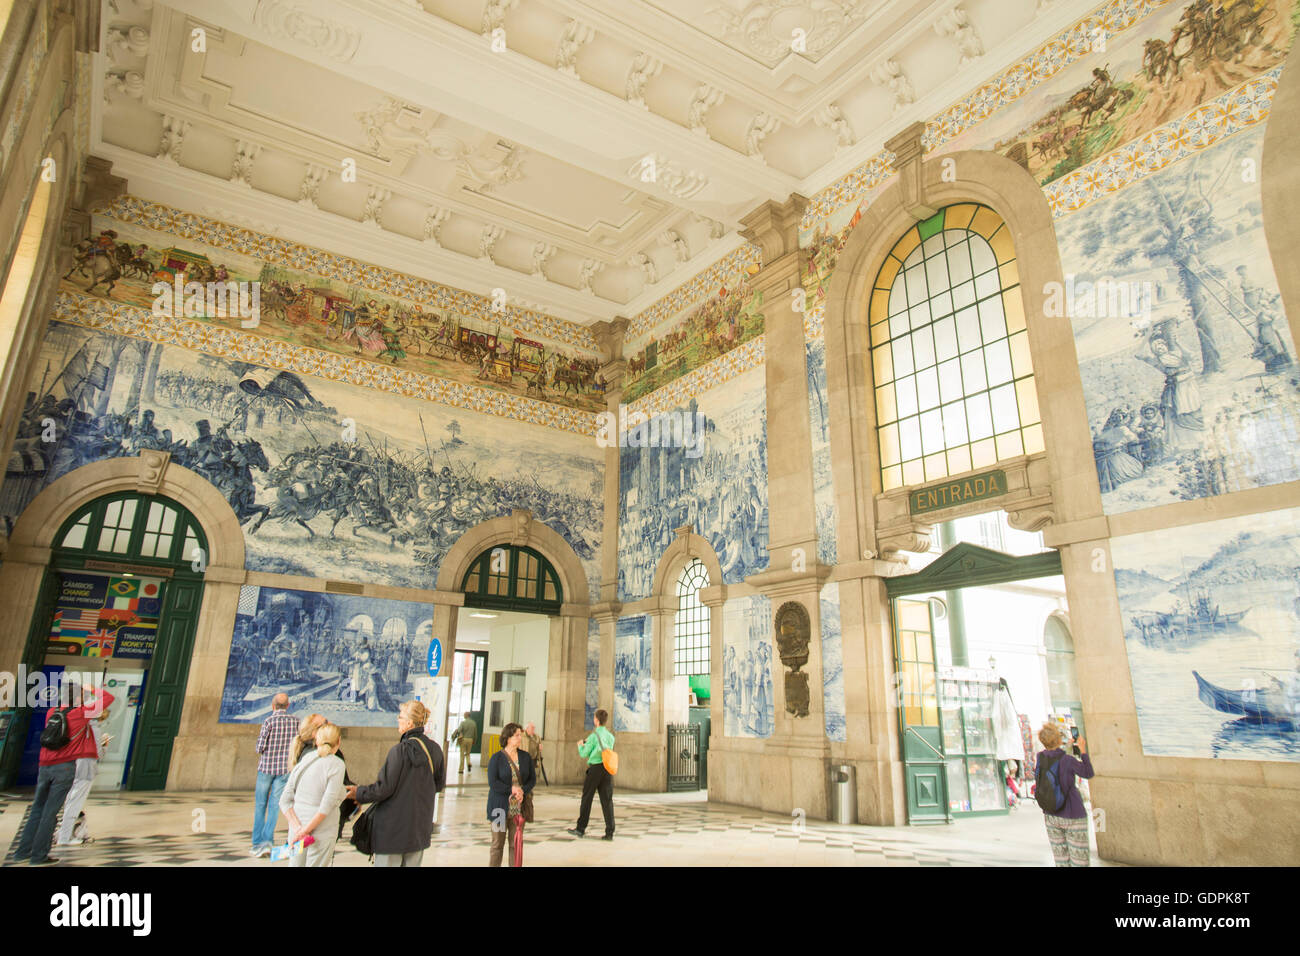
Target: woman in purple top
x: 1067, y: 828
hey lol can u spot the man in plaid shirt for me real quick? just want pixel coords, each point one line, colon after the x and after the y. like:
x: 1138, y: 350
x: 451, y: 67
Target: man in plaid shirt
x: 273, y: 743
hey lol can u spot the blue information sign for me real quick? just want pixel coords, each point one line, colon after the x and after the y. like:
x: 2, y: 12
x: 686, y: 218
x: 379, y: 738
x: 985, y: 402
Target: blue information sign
x: 435, y: 657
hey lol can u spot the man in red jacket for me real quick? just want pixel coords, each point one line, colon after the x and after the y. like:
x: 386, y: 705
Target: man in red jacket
x: 58, y: 767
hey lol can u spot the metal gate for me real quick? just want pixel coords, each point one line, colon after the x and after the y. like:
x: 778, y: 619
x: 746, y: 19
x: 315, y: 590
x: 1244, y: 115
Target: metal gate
x: 684, y: 756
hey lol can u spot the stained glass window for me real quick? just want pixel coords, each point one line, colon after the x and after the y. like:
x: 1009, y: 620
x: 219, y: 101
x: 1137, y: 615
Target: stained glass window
x: 954, y: 387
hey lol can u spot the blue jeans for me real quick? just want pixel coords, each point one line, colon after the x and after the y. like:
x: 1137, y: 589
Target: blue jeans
x: 52, y: 785
x: 266, y: 807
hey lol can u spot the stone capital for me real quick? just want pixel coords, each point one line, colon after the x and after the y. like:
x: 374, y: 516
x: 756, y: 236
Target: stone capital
x: 908, y: 152
x: 609, y: 337
x: 782, y: 584
x: 606, y: 611
x: 778, y: 277
x: 774, y: 227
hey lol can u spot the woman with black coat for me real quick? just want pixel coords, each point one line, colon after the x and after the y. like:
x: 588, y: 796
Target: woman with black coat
x: 412, y: 775
x: 510, y: 778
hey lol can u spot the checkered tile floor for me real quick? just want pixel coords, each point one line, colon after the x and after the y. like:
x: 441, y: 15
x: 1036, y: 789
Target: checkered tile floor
x: 213, y: 829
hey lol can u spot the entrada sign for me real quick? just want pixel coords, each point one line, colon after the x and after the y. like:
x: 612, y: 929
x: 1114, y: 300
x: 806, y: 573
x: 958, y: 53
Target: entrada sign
x: 959, y: 492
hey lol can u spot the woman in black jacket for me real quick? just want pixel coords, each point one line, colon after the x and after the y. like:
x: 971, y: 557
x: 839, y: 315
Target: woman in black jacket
x: 510, y: 778
x: 413, y: 773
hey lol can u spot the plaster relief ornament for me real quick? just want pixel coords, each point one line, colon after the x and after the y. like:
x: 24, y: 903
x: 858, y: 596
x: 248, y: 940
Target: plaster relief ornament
x: 394, y: 127
x: 494, y: 14
x: 793, y: 636
x: 670, y: 176
x: 956, y: 24
x: 831, y: 117
x: 310, y: 185
x: 889, y: 74
x: 241, y: 172
x: 576, y: 35
x: 294, y: 20
x: 488, y: 240
x: 704, y: 99
x: 647, y: 267
x: 375, y: 200
x: 124, y: 42
x: 716, y: 228
x: 590, y: 269
x: 542, y: 254
x: 124, y: 83
x: 487, y: 173
x: 643, y: 67
x: 433, y: 222
x: 173, y: 138
x: 674, y: 241
x: 760, y: 127
x: 766, y: 27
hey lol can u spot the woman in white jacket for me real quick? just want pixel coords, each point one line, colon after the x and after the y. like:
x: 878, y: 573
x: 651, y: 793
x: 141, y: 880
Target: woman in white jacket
x: 311, y: 797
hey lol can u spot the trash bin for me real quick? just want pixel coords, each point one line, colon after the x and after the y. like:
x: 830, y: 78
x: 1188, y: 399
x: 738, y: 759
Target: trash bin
x: 844, y: 794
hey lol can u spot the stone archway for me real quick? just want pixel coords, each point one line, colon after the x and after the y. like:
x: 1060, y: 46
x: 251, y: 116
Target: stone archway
x: 567, y: 657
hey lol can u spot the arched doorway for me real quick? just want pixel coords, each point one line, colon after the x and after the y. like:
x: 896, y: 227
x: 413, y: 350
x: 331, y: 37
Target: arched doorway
x: 121, y: 597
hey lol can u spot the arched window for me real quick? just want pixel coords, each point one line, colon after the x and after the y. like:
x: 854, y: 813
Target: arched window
x: 950, y: 354
x: 513, y: 579
x: 691, y: 635
x: 135, y: 527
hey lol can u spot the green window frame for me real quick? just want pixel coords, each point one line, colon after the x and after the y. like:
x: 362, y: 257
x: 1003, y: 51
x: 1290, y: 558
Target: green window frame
x: 511, y: 578
x: 954, y: 384
x: 128, y: 526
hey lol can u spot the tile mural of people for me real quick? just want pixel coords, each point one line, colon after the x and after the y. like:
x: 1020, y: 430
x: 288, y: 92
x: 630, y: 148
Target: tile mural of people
x: 1200, y: 397
x: 632, y: 669
x: 747, y: 705
x: 327, y: 478
x: 720, y: 490
x: 352, y: 659
x: 592, y: 699
x: 833, y: 663
x: 1211, y: 617
x: 823, y: 489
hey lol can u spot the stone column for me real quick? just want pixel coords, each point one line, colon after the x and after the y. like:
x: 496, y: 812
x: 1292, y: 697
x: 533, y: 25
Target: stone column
x: 566, y: 690
x: 609, y: 336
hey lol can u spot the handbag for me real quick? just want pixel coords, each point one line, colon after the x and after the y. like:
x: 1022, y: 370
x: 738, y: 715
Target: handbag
x: 363, y: 835
x: 526, y: 807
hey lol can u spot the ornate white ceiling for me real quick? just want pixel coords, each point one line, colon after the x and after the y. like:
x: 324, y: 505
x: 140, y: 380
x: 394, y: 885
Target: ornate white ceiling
x: 586, y: 156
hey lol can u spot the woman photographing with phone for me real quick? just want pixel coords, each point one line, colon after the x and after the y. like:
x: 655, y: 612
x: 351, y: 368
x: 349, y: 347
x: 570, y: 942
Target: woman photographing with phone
x: 1057, y: 792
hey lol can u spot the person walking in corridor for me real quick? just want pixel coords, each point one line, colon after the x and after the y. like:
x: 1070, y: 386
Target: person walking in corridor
x: 1057, y: 792
x: 273, y: 745
x: 464, y: 735
x: 66, y: 739
x: 598, y: 779
x: 511, y: 778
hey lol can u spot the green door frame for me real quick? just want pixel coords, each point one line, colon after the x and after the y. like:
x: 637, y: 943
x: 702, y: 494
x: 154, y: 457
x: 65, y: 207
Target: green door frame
x: 964, y: 565
x: 164, y: 691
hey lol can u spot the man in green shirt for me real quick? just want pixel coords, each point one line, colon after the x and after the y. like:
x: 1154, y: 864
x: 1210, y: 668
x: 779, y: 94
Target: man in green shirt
x: 464, y: 736
x: 598, y: 779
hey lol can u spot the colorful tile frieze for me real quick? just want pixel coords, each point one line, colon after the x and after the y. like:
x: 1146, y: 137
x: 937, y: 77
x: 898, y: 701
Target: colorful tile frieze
x: 726, y: 271
x: 96, y: 313
x: 718, y: 372
x: 299, y: 257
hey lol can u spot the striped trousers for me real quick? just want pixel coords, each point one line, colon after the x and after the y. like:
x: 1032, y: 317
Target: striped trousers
x: 1069, y: 839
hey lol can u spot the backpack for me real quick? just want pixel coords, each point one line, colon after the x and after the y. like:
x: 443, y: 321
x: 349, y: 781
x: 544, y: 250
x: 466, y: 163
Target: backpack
x: 1047, y: 784
x: 55, y: 734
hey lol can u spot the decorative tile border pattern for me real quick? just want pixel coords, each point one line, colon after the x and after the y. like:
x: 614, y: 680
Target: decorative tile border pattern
x: 294, y: 255
x: 721, y: 370
x: 95, y: 313
x: 814, y: 322
x: 696, y: 290
x: 1003, y: 90
x: 1208, y: 124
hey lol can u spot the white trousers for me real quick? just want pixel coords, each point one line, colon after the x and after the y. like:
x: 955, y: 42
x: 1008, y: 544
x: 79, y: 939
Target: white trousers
x: 76, y: 800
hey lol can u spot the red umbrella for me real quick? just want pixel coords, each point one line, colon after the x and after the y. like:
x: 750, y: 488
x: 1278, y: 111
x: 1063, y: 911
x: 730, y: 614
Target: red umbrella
x: 517, y: 856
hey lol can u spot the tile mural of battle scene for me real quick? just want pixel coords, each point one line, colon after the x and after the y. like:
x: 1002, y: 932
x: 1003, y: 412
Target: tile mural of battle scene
x: 1159, y: 70
x: 748, y: 709
x: 349, y: 658
x: 633, y: 649
x: 1211, y: 617
x: 719, y: 488
x: 124, y: 260
x: 724, y: 321
x: 1202, y: 396
x: 324, y: 476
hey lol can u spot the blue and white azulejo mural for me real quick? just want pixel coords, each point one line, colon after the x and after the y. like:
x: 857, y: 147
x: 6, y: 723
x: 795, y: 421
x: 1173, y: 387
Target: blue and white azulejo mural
x: 747, y: 705
x: 633, y: 648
